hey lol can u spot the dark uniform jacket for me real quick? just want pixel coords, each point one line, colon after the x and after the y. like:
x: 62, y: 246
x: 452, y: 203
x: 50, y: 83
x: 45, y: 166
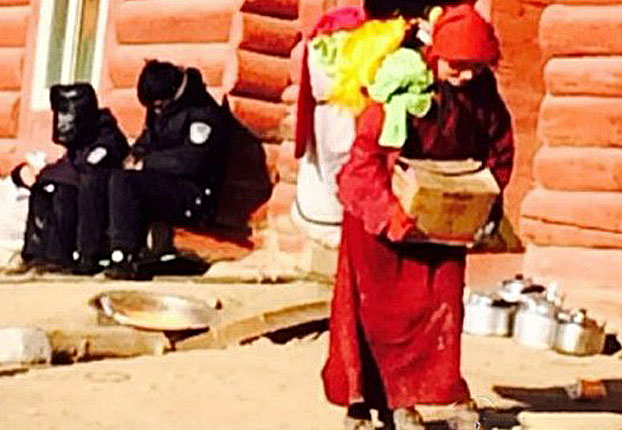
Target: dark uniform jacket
x: 188, y: 139
x: 68, y: 168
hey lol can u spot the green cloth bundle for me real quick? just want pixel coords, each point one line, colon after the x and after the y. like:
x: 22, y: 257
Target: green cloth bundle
x: 402, y: 85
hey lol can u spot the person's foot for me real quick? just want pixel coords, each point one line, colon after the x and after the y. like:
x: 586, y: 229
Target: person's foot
x: 358, y: 417
x: 385, y: 416
x: 87, y: 268
x: 407, y: 419
x: 465, y: 417
x: 123, y: 267
x: 358, y: 424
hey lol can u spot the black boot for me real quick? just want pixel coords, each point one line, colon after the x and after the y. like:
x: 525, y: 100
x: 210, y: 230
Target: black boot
x: 86, y: 266
x: 124, y: 267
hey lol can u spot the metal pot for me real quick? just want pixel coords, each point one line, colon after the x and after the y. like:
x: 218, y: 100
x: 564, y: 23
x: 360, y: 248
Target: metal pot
x: 579, y: 335
x: 535, y: 323
x: 486, y: 316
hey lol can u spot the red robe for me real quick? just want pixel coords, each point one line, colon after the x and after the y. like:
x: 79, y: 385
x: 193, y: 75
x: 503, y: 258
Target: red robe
x: 399, y: 306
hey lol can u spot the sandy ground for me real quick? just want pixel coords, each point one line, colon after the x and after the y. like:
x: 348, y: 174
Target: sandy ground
x: 259, y: 387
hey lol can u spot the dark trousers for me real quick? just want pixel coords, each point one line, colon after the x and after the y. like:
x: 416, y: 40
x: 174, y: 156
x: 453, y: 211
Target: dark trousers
x: 51, y: 224
x: 63, y: 218
x: 139, y: 198
x: 92, y: 238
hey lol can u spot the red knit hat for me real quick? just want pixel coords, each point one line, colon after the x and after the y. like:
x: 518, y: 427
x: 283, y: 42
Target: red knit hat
x: 462, y: 34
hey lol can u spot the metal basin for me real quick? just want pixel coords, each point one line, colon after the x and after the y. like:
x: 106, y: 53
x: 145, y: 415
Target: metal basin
x: 156, y: 311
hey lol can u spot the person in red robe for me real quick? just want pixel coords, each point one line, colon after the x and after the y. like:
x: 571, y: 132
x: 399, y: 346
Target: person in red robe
x: 397, y: 312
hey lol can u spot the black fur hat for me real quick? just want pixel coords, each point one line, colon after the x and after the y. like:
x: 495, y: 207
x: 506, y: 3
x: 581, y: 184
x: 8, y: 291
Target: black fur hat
x: 159, y: 80
x: 75, y: 111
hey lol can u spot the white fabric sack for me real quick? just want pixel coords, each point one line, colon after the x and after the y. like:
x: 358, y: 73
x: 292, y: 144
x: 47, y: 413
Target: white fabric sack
x: 12, y: 220
x: 317, y: 209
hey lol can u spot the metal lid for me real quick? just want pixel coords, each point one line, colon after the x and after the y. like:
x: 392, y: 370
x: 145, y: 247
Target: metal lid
x: 580, y: 318
x: 538, y: 305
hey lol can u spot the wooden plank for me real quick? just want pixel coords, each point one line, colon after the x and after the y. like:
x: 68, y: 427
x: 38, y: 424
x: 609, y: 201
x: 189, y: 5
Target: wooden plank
x: 237, y: 331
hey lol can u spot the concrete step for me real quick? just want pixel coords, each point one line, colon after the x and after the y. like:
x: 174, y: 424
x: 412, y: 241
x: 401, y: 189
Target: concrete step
x: 24, y: 345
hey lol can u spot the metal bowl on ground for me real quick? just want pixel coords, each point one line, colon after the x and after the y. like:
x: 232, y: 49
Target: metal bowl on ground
x: 156, y: 311
x: 486, y: 315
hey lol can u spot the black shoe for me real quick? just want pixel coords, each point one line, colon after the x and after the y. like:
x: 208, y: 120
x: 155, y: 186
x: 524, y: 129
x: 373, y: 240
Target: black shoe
x: 87, y: 268
x: 176, y: 263
x: 123, y: 267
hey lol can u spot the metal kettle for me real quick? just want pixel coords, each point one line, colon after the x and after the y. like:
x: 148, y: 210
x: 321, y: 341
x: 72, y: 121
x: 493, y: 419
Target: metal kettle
x: 535, y: 323
x: 577, y: 334
x: 486, y: 315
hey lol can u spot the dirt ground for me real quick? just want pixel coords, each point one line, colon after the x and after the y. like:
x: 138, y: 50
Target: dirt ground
x: 262, y: 386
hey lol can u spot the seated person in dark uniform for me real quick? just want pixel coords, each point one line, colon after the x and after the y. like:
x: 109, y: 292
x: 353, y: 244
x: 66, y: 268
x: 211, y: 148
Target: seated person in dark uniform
x: 67, y: 215
x: 175, y: 169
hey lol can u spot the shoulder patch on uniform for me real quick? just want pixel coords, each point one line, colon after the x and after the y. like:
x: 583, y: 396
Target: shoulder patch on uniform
x: 199, y: 132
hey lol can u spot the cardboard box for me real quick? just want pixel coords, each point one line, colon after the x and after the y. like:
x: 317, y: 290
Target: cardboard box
x: 451, y: 200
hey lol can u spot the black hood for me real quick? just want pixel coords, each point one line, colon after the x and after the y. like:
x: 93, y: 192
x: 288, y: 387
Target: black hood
x: 76, y: 114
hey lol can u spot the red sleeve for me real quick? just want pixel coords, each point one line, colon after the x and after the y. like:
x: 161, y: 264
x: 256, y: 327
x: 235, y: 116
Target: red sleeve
x: 365, y: 180
x: 305, y: 135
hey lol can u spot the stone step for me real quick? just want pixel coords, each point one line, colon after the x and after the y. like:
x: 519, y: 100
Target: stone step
x: 79, y: 344
x: 579, y: 169
x: 268, y: 35
x: 585, y: 209
x: 11, y: 60
x: 180, y: 21
x: 581, y: 30
x: 548, y: 234
x: 580, y: 121
x: 14, y: 23
x: 277, y: 8
x: 584, y: 76
x: 27, y: 345
x: 261, y: 76
x: 212, y: 59
x: 9, y: 112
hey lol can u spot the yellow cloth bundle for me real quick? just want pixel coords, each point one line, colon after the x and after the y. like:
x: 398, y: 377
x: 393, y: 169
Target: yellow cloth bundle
x: 362, y: 55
